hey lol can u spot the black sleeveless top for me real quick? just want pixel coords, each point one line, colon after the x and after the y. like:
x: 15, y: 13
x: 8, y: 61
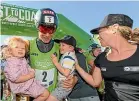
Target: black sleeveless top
x: 121, y: 77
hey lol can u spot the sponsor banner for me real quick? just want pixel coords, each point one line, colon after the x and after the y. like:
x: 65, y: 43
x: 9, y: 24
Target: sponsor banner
x: 17, y: 20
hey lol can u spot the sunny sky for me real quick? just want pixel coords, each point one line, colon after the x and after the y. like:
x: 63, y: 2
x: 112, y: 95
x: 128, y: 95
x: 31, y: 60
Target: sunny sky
x: 86, y: 14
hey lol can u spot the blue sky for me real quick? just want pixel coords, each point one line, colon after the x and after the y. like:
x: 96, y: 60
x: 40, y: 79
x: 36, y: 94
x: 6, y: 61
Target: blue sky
x: 86, y: 14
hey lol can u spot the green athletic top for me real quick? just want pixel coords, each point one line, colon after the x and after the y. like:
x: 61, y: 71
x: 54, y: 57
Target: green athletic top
x: 40, y: 60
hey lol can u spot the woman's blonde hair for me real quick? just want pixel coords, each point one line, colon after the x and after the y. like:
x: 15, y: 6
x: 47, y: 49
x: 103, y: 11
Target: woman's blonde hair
x: 135, y: 35
x: 125, y: 31
x: 6, y: 50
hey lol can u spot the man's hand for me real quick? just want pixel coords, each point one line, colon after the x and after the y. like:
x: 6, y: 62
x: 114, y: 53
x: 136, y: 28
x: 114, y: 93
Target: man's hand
x: 31, y: 70
x: 32, y: 73
x: 70, y: 82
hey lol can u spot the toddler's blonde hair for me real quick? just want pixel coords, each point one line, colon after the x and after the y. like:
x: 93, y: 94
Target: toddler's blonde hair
x: 6, y: 51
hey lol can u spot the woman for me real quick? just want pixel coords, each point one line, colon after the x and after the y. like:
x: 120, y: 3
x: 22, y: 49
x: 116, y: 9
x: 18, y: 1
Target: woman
x: 120, y: 67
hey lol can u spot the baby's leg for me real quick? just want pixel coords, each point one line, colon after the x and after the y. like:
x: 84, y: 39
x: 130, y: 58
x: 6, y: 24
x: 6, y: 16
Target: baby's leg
x: 43, y: 96
x: 59, y: 94
x: 52, y: 98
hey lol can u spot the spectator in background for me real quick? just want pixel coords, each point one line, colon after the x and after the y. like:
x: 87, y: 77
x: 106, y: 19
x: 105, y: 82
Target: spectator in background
x: 2, y: 65
x: 95, y: 49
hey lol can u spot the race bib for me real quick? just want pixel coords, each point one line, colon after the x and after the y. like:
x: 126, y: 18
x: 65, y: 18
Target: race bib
x: 46, y: 77
x: 49, y: 19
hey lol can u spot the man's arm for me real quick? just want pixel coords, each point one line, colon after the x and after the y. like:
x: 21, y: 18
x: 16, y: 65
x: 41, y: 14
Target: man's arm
x: 24, y: 78
x: 70, y: 82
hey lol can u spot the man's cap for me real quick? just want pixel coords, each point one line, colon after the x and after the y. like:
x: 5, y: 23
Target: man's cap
x: 111, y: 19
x: 70, y: 40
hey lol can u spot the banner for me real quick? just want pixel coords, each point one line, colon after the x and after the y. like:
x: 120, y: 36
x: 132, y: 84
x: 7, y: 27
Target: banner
x: 16, y: 20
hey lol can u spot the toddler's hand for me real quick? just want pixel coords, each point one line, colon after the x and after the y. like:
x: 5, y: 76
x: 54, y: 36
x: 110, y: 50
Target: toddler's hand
x: 54, y: 59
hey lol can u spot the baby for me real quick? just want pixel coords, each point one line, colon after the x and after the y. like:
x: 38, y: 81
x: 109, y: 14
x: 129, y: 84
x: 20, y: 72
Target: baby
x: 18, y: 73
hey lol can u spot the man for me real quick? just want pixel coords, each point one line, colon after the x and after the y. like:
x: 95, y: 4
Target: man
x: 43, y: 47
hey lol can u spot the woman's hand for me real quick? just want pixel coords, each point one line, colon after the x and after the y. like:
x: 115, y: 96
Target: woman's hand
x: 70, y: 82
x: 77, y: 66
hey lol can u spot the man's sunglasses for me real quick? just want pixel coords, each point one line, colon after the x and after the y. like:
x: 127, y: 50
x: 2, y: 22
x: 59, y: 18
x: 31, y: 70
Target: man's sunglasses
x: 43, y: 29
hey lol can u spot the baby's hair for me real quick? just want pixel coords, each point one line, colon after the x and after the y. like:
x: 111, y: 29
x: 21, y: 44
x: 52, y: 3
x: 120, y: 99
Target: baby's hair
x: 18, y: 39
x: 6, y: 50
